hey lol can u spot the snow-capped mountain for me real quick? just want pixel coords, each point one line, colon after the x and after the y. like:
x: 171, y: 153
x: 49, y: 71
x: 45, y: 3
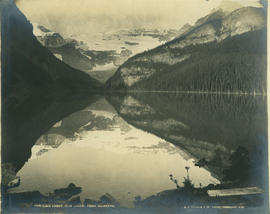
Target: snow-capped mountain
x: 217, y: 26
x: 217, y: 37
x: 101, y: 55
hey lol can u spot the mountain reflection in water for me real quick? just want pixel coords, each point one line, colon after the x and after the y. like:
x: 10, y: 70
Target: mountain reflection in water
x: 206, y: 126
x: 128, y: 144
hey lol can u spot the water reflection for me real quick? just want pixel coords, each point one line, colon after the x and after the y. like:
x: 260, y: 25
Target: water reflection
x: 207, y: 127
x: 102, y: 153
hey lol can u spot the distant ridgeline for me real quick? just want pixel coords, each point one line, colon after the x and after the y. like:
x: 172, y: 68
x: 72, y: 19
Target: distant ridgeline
x: 220, y: 53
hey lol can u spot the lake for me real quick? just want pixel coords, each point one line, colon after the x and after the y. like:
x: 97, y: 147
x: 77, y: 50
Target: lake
x: 127, y: 145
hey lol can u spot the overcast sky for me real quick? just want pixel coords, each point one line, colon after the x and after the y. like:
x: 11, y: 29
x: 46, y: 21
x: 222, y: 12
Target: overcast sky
x: 88, y: 16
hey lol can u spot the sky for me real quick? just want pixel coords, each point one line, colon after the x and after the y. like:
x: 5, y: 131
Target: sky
x: 89, y: 16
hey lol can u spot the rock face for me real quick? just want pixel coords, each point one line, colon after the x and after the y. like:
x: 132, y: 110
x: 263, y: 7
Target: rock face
x: 37, y: 88
x: 99, y: 64
x: 243, y: 20
x: 53, y: 40
x: 67, y: 50
x: 218, y: 44
x: 184, y: 29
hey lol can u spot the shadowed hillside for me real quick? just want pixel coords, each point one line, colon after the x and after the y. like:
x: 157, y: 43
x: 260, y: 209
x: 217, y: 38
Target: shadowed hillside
x: 37, y: 89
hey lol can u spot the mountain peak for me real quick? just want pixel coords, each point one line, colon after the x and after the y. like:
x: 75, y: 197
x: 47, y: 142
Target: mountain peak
x: 215, y: 15
x: 208, y: 34
x: 227, y: 6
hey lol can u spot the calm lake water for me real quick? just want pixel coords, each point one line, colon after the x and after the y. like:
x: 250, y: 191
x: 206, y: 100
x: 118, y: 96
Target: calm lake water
x: 128, y: 145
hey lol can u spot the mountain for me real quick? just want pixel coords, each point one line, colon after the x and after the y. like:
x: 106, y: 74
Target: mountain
x: 184, y: 29
x: 99, y: 64
x: 228, y: 6
x: 225, y: 8
x: 65, y: 49
x: 221, y: 52
x: 105, y: 52
x: 37, y: 88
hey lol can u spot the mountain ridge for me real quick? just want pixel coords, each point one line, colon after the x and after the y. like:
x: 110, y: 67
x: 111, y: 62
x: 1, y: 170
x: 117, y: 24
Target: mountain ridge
x: 214, y: 33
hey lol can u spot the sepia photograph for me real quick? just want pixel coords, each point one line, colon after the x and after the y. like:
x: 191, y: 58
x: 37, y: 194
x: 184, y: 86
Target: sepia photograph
x: 134, y: 106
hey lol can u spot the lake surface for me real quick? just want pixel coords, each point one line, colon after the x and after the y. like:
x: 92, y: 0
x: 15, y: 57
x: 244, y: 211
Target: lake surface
x: 128, y: 144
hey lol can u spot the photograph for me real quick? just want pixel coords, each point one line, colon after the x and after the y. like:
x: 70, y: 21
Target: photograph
x: 134, y: 107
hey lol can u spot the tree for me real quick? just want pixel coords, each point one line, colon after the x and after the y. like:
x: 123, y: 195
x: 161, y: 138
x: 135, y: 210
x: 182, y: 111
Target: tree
x: 238, y: 171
